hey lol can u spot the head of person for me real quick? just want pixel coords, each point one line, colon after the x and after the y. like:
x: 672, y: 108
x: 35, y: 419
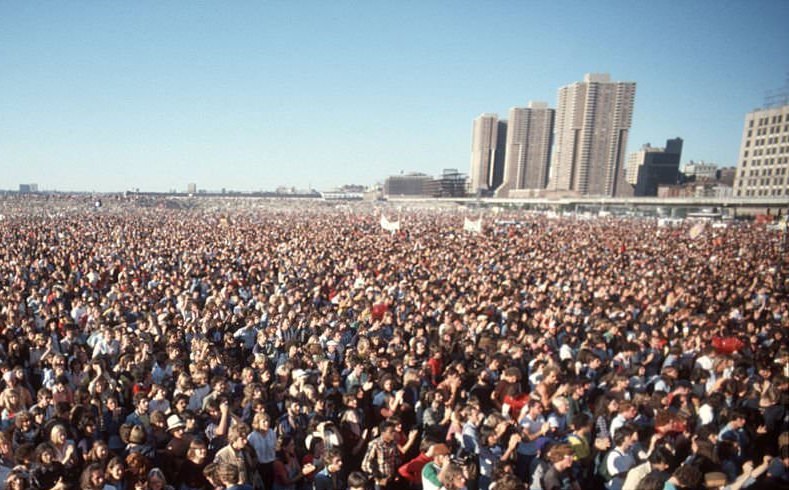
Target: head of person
x: 357, y: 481
x: 561, y: 456
x: 92, y: 477
x: 114, y: 470
x: 624, y: 437
x: 227, y: 474
x: 237, y: 436
x: 453, y: 477
x: 388, y: 431
x: 156, y: 479
x: 333, y: 460
x: 198, y: 451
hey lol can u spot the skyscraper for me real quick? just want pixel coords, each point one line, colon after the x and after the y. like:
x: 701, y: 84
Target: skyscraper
x: 483, y: 152
x: 593, y: 118
x: 497, y: 174
x: 528, y: 148
x: 763, y: 166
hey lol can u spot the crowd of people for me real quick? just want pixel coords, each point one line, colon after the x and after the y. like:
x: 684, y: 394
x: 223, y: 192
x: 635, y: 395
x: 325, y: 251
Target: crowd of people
x: 304, y: 348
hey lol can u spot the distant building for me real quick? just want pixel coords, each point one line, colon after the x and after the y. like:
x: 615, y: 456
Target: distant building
x: 484, y: 141
x: 726, y: 175
x: 700, y: 170
x: 763, y: 165
x: 593, y: 119
x: 451, y: 183
x: 350, y: 192
x: 695, y: 189
x: 28, y: 188
x: 414, y: 184
x: 658, y: 167
x: 528, y: 148
x: 635, y: 160
x: 191, y: 188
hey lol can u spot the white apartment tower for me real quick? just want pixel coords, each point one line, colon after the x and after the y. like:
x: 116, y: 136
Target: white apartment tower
x: 528, y: 149
x: 483, y: 151
x: 593, y: 119
x: 763, y: 166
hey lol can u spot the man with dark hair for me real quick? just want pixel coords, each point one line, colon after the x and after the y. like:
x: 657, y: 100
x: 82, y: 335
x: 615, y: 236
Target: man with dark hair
x: 686, y: 476
x: 734, y: 431
x: 619, y: 460
x: 382, y: 458
x: 357, y: 481
x: 657, y: 464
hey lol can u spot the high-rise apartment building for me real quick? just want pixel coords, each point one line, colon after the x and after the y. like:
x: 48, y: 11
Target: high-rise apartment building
x: 484, y: 141
x: 763, y: 166
x: 593, y: 119
x: 528, y: 148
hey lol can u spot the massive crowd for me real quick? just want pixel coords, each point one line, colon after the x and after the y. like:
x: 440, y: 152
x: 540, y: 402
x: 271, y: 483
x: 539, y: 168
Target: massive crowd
x: 301, y: 348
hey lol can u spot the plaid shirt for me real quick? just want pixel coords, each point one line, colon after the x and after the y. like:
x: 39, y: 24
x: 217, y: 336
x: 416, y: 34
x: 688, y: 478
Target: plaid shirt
x: 381, y: 460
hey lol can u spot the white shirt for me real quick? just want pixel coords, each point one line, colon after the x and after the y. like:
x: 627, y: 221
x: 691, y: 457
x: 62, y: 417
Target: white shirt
x: 532, y: 426
x: 618, y: 463
x: 265, y: 445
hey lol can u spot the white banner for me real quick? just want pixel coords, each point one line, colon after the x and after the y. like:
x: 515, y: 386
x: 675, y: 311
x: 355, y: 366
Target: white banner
x: 389, y: 225
x: 473, y: 226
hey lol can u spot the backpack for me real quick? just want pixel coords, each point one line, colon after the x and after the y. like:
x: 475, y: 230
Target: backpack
x: 602, y: 467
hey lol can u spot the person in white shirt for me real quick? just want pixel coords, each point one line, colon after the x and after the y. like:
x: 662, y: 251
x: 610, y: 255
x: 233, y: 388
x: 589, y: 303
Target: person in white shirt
x: 264, y: 440
x: 534, y: 426
x: 627, y: 412
x: 619, y: 460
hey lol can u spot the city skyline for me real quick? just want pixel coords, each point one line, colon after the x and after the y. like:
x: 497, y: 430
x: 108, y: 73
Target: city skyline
x: 250, y: 96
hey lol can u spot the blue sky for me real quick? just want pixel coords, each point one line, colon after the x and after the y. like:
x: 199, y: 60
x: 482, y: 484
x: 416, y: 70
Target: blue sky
x: 109, y: 96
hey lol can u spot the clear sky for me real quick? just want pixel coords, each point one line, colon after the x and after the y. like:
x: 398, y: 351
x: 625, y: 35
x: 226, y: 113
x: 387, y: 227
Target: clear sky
x: 250, y: 95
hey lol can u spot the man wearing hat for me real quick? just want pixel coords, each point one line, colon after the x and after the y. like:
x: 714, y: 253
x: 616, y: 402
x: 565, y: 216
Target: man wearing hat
x: 440, y: 457
x: 179, y: 442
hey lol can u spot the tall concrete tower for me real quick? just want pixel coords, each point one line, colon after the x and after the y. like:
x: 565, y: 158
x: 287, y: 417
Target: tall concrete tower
x: 528, y: 148
x: 483, y: 152
x: 593, y: 119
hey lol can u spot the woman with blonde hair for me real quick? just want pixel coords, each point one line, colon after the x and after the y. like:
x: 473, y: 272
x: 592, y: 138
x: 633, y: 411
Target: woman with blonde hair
x: 264, y: 440
x: 65, y: 449
x: 12, y: 405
